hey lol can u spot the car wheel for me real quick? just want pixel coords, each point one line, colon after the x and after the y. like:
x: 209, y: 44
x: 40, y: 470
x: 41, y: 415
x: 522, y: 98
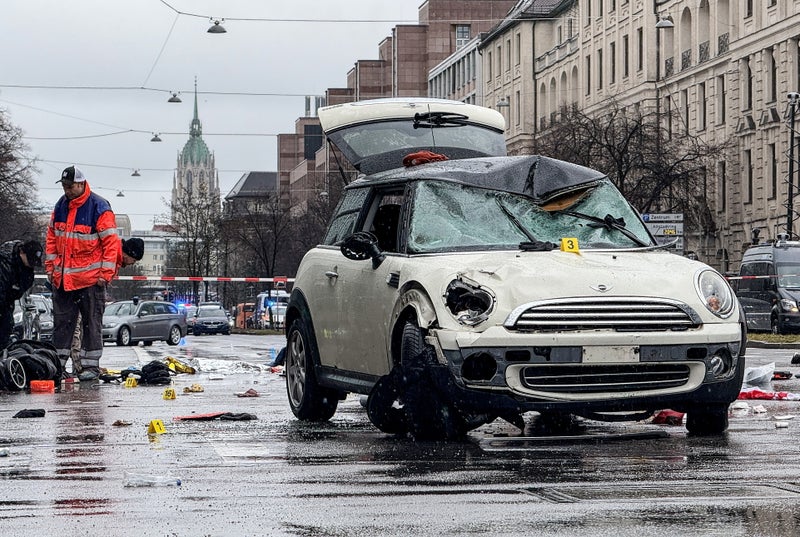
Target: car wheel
x: 307, y: 399
x: 174, y: 336
x: 427, y: 415
x: 381, y: 408
x: 124, y: 337
x: 12, y: 375
x: 708, y: 420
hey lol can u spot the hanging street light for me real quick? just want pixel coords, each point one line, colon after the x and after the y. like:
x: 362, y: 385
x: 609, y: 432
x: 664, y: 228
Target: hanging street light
x: 174, y: 98
x: 136, y: 173
x: 217, y: 27
x: 155, y: 138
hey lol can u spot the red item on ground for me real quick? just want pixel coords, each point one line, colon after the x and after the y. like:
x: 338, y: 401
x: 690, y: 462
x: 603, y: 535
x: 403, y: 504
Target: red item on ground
x: 756, y: 393
x: 668, y: 417
x: 422, y: 157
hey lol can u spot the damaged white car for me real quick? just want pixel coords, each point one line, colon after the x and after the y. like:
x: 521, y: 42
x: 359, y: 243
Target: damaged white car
x: 469, y: 285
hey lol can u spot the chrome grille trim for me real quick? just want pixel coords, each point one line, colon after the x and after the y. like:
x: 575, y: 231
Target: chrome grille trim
x: 592, y: 313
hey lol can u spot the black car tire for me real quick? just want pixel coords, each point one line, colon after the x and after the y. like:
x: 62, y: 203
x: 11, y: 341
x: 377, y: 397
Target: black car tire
x: 174, y: 336
x: 12, y: 374
x: 776, y: 327
x: 709, y: 420
x: 428, y: 416
x: 307, y: 399
x: 124, y: 337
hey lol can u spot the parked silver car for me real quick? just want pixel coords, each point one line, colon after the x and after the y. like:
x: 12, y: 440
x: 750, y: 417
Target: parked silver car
x: 127, y: 322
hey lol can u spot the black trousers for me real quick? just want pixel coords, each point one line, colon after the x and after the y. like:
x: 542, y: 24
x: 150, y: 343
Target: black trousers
x: 90, y: 302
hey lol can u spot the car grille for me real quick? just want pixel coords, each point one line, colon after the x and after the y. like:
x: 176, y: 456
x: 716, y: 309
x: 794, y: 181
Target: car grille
x: 621, y: 314
x: 580, y: 378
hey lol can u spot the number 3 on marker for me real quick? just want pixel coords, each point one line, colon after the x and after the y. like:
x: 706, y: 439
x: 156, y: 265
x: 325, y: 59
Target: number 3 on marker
x: 570, y: 244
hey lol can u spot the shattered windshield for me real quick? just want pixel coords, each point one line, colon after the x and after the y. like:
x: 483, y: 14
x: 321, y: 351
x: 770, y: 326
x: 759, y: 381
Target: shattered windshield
x: 451, y: 216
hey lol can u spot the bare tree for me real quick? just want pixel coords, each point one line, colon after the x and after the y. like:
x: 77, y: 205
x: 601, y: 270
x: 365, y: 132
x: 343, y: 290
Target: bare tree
x: 258, y: 228
x: 653, y: 166
x: 17, y: 188
x: 195, y: 222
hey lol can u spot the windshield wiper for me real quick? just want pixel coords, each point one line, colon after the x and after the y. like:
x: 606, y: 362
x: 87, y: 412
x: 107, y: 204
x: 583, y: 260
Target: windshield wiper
x: 430, y: 120
x: 608, y: 222
x: 515, y: 221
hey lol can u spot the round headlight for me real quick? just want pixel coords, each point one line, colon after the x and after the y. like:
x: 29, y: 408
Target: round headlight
x: 715, y: 293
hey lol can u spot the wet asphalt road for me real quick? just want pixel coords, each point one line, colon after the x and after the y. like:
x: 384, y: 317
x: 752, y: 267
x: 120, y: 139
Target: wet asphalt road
x: 277, y: 476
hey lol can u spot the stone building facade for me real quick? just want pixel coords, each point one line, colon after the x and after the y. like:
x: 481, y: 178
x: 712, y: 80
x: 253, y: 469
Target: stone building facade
x: 724, y: 66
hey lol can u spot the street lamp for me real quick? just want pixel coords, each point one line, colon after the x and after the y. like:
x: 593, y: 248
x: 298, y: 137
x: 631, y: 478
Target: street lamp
x: 217, y: 27
x: 174, y: 98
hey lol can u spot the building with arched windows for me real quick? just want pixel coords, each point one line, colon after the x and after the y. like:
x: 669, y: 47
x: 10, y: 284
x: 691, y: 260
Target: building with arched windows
x: 196, y: 174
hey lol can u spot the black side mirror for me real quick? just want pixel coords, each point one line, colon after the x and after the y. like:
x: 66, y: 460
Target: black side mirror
x: 362, y: 245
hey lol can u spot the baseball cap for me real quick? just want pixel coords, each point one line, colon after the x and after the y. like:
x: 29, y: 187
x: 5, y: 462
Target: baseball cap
x: 33, y: 251
x: 71, y: 175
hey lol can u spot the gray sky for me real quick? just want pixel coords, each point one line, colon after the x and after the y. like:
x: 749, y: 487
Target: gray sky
x: 110, y: 44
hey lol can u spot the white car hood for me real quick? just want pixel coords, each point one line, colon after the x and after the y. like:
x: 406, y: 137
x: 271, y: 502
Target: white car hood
x: 516, y: 278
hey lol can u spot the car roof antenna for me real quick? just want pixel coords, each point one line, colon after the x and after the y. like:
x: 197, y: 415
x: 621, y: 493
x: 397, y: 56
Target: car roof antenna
x: 338, y: 164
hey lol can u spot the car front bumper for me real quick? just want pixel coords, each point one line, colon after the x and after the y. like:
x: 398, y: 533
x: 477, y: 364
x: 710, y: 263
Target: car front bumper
x: 592, y: 371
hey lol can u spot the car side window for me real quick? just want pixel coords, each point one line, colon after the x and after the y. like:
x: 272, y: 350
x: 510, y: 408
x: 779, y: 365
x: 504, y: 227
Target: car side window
x: 147, y: 309
x: 171, y: 308
x: 344, y: 220
x: 385, y: 223
x: 160, y: 309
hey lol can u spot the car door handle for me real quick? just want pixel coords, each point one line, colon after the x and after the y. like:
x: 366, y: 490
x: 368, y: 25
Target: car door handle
x: 331, y: 274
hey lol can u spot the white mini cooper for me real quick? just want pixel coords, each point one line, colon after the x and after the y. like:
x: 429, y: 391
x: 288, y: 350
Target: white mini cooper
x: 467, y: 285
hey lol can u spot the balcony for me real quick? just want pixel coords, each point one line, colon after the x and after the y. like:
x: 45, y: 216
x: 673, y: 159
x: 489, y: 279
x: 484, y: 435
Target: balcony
x: 722, y: 44
x: 704, y: 52
x: 686, y: 59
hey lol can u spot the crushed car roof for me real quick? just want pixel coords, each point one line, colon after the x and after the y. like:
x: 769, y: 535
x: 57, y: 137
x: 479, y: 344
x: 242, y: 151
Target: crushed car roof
x: 541, y: 178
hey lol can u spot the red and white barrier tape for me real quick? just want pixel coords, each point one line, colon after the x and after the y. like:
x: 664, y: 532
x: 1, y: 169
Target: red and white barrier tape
x: 195, y: 279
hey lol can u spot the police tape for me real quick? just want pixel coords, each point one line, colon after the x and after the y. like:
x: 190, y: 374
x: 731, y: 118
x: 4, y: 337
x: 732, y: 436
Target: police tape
x: 276, y: 280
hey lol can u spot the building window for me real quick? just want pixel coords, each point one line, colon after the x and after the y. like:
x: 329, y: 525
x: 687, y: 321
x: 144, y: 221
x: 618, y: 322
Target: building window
x: 559, y: 36
x: 721, y: 102
x: 508, y: 54
x: 462, y: 35
x: 625, y: 57
x: 701, y: 106
x: 519, y: 48
x: 773, y: 171
x: 517, y: 108
x: 748, y: 84
x: 588, y: 84
x: 723, y: 185
x: 748, y: 175
x: 589, y: 11
x: 748, y: 8
x: 639, y: 50
x: 499, y: 59
x: 613, y: 67
x: 489, y: 65
x: 772, y: 65
x: 685, y: 110
x: 600, y: 69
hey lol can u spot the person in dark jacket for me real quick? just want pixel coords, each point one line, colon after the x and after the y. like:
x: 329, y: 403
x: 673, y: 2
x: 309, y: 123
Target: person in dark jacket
x: 17, y: 260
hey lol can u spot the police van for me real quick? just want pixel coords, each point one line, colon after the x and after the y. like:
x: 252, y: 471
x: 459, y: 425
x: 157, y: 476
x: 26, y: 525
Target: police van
x: 768, y: 286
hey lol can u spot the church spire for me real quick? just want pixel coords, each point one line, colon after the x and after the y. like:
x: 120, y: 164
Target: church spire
x: 196, y: 129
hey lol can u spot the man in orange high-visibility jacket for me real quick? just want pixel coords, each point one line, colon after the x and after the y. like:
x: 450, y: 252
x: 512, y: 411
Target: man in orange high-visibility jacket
x: 81, y: 256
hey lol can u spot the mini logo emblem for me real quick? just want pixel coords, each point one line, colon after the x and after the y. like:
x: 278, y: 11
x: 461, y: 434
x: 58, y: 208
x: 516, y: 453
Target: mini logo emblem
x: 601, y: 287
